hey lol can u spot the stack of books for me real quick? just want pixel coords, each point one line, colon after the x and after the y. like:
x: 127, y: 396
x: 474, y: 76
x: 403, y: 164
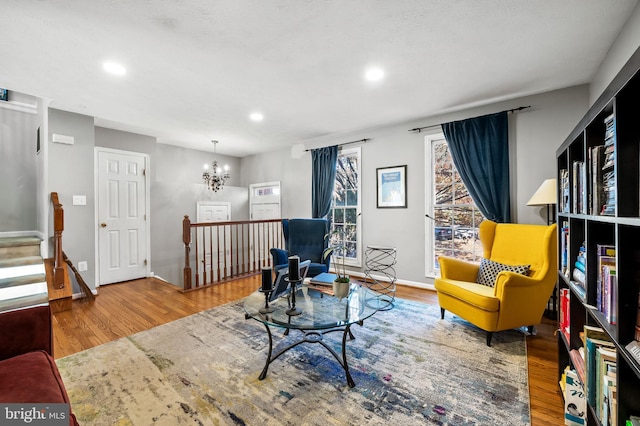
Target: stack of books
x: 608, y: 171
x: 600, y: 368
x: 564, y: 249
x: 580, y: 271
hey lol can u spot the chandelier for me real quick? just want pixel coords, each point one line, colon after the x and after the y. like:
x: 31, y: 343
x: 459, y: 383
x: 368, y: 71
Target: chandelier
x: 215, y: 178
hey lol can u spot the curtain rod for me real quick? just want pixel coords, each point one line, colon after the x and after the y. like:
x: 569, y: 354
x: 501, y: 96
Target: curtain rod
x: 433, y: 126
x: 347, y: 143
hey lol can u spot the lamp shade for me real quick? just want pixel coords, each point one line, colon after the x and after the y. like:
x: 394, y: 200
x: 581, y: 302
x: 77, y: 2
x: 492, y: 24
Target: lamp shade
x: 545, y: 195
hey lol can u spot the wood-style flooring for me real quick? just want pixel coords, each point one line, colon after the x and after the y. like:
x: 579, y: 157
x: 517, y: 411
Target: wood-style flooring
x: 126, y: 308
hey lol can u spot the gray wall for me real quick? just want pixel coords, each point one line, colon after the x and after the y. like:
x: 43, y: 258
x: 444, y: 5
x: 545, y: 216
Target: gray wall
x: 71, y: 173
x: 535, y: 134
x: 625, y: 45
x: 18, y: 170
x: 175, y: 187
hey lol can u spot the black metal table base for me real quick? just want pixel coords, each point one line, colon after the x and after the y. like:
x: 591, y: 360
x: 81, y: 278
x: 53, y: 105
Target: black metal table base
x: 313, y: 336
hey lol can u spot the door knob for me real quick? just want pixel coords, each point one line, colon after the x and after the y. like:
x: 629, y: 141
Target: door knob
x: 103, y: 225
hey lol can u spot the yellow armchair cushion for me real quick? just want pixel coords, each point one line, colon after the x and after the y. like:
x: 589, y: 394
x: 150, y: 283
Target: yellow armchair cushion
x: 478, y: 295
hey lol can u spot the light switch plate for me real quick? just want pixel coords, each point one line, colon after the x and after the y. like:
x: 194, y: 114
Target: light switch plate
x: 82, y: 266
x: 79, y: 200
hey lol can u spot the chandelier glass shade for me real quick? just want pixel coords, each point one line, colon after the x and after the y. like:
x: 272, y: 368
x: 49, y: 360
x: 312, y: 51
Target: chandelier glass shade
x: 215, y: 177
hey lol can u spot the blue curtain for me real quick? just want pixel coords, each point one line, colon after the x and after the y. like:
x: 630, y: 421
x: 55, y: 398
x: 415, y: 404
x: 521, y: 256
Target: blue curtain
x: 323, y: 172
x: 480, y: 150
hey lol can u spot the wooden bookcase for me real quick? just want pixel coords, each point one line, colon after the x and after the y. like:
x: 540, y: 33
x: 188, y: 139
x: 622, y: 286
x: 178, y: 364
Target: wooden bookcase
x: 618, y: 227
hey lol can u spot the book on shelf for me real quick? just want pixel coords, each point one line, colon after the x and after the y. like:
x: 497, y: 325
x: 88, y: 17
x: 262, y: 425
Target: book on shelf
x: 565, y: 320
x: 564, y: 191
x: 597, y: 195
x: 634, y: 350
x: 575, y: 403
x: 594, y: 338
x: 577, y: 359
x: 605, y: 378
x: 607, y: 284
x: 579, y: 187
x: 637, y: 336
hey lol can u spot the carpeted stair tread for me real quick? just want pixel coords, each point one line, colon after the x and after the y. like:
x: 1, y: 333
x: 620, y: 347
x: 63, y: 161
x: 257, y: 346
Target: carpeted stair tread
x: 19, y: 241
x: 11, y: 247
x: 27, y: 279
x: 20, y: 261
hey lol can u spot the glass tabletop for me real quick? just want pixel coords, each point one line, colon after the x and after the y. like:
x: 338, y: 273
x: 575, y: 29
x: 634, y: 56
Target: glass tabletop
x: 319, y: 311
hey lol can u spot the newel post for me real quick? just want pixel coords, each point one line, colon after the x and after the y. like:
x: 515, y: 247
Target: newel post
x: 58, y: 227
x: 186, y: 239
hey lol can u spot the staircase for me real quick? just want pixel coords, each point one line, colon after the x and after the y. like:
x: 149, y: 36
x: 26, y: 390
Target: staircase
x: 26, y: 279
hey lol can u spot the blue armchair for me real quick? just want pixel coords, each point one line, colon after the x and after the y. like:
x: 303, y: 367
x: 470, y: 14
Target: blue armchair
x: 306, y: 238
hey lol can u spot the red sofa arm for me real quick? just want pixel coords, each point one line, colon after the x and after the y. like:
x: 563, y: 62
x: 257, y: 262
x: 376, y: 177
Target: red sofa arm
x: 25, y: 330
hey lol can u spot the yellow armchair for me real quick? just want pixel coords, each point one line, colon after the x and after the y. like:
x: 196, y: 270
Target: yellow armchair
x: 515, y: 300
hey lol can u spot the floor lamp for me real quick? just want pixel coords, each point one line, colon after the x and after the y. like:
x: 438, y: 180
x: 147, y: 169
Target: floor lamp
x: 546, y: 195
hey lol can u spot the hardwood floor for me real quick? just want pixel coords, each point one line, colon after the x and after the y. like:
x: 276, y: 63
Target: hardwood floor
x: 126, y: 308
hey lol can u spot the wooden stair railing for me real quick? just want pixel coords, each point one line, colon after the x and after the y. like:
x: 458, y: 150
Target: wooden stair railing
x: 225, y: 251
x: 60, y: 276
x: 58, y: 227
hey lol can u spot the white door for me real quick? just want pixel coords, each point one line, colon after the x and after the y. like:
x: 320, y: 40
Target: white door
x: 213, y: 211
x: 213, y: 243
x: 264, y: 201
x: 265, y: 211
x: 122, y: 211
x: 264, y: 204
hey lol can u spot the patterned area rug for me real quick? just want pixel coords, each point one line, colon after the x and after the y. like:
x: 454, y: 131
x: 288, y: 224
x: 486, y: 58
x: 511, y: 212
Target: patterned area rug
x: 409, y: 366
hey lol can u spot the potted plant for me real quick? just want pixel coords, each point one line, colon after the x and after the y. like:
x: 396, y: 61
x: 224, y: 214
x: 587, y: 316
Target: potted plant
x: 342, y: 282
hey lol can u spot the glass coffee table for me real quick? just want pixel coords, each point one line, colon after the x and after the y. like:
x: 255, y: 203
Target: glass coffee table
x: 317, y: 314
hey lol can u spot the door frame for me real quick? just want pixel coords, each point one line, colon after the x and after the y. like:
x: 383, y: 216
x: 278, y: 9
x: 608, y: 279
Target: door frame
x: 147, y: 187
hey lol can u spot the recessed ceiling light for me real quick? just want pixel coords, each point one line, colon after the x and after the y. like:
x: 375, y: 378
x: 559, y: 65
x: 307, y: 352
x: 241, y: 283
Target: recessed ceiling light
x: 256, y: 116
x: 113, y: 68
x: 374, y: 74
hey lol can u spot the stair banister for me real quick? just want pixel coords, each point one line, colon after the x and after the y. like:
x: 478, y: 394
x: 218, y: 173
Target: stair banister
x: 58, y: 227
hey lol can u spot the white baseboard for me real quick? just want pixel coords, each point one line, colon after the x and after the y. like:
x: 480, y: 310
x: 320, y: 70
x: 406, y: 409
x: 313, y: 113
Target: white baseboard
x: 408, y: 283
x: 75, y: 296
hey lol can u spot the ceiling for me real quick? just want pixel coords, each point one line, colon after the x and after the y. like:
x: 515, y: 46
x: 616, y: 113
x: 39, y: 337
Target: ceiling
x: 196, y: 69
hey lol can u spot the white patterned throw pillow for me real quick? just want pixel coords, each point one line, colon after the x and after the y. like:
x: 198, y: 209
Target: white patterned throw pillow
x: 489, y: 271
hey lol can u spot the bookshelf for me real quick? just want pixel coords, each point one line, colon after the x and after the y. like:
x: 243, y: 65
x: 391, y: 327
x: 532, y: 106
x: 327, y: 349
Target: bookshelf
x: 598, y: 177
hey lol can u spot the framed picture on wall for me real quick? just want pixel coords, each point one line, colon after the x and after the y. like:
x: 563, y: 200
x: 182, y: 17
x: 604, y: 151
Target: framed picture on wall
x: 391, y: 185
x: 4, y: 95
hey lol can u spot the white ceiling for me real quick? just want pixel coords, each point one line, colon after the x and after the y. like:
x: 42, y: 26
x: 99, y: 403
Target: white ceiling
x: 196, y: 69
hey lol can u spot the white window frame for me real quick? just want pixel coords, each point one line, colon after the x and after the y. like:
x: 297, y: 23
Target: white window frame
x: 357, y: 261
x: 430, y: 271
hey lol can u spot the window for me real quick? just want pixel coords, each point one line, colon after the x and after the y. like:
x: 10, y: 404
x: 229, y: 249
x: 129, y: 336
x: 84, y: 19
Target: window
x: 453, y: 218
x: 345, y: 207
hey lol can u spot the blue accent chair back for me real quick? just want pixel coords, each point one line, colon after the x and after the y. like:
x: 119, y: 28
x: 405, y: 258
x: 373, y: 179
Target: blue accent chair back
x: 307, y: 239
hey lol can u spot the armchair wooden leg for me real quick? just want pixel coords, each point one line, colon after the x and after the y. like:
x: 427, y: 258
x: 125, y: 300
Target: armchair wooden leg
x: 441, y: 313
x: 489, y: 336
